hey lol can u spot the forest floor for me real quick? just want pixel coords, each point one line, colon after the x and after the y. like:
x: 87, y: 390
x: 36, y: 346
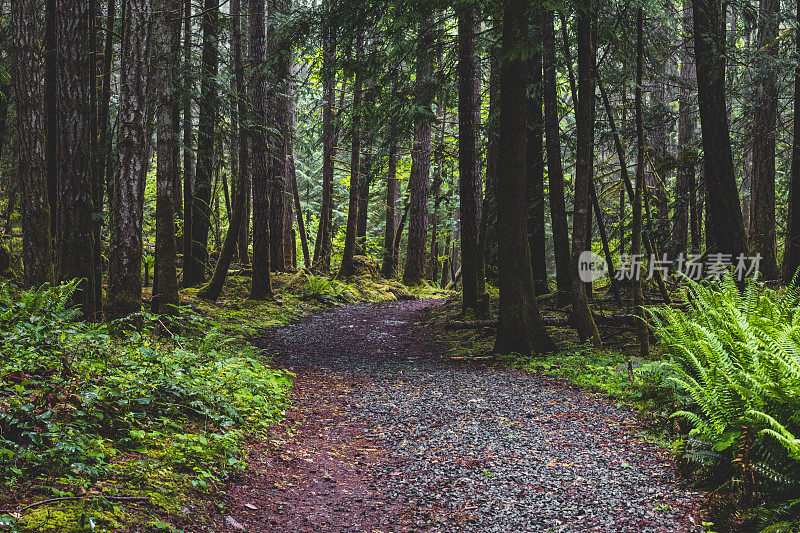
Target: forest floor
x: 389, y: 432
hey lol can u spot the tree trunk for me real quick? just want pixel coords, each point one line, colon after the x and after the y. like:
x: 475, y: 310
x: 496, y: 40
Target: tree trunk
x: 534, y: 164
x: 469, y: 163
x: 206, y: 131
x: 520, y: 328
x: 725, y: 212
x: 791, y: 251
x: 166, y: 39
x: 389, y: 260
x: 346, y: 269
x: 762, y: 209
x: 636, y: 237
x: 489, y: 243
x: 322, y: 246
x: 685, y: 183
x: 188, y: 145
x: 558, y: 211
x: 75, y: 240
x: 261, y: 287
x: 51, y: 111
x: 32, y: 177
x: 363, y: 205
x: 125, y: 252
x: 419, y: 178
x: 584, y: 123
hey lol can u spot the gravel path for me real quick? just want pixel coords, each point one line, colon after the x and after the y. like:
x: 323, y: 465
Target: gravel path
x: 391, y: 435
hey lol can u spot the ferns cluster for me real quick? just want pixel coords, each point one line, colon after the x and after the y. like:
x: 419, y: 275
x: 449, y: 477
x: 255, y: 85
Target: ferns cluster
x: 734, y: 367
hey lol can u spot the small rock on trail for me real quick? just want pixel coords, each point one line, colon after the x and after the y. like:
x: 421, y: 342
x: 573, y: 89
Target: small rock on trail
x: 391, y: 435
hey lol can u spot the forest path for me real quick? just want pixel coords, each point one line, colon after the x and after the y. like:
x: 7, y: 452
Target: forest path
x: 392, y: 435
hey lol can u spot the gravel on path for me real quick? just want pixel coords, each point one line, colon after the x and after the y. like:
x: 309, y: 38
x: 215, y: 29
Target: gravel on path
x: 392, y: 435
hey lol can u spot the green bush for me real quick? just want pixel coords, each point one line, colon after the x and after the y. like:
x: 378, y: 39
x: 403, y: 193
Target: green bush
x: 733, y: 376
x: 73, y: 397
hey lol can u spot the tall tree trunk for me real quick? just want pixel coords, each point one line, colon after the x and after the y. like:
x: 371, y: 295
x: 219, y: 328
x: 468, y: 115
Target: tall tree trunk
x: 389, y: 261
x: 469, y: 169
x: 346, y: 269
x: 685, y: 183
x: 725, y: 212
x: 94, y: 160
x: 520, y: 328
x: 322, y: 246
x: 791, y: 251
x: 762, y: 218
x: 489, y: 244
x: 166, y: 39
x: 261, y: 287
x: 636, y: 235
x: 534, y: 164
x: 363, y: 204
x: 32, y: 177
x: 206, y: 130
x: 584, y: 124
x: 125, y: 252
x: 188, y: 145
x: 555, y: 176
x: 51, y: 111
x: 419, y: 178
x: 75, y: 239
x: 103, y: 113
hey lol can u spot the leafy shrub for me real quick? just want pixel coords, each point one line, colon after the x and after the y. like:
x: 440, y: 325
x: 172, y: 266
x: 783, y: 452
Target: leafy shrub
x: 73, y: 397
x: 734, y: 377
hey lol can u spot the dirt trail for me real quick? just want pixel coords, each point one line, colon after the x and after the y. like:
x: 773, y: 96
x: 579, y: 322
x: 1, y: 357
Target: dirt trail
x: 391, y: 435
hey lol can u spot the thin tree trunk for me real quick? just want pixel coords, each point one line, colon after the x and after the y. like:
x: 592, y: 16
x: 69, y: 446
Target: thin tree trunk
x: 389, y: 261
x: 419, y: 178
x: 322, y: 246
x: 166, y: 39
x: 724, y: 209
x: 125, y: 257
x: 520, y: 328
x: 762, y: 217
x: 584, y: 123
x: 363, y: 205
x: 75, y: 240
x: 489, y: 244
x: 206, y: 131
x: 791, y: 251
x: 534, y: 164
x: 469, y: 170
x: 558, y: 211
x: 188, y: 145
x: 346, y: 269
x: 32, y: 176
x: 261, y: 287
x: 636, y: 237
x: 685, y: 183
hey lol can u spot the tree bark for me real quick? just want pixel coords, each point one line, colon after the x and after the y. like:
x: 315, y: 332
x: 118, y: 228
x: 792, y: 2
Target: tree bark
x: 388, y: 267
x: 520, y: 327
x: 32, y: 176
x: 166, y: 39
x: 469, y: 170
x: 643, y: 334
x: 419, y: 179
x: 206, y: 131
x: 762, y: 208
x: 685, y: 183
x: 534, y: 164
x: 125, y: 251
x: 188, y: 144
x: 558, y: 211
x: 489, y: 243
x: 724, y: 209
x: 260, y: 287
x: 791, y: 250
x: 346, y: 269
x: 75, y: 240
x: 584, y: 123
x: 51, y: 111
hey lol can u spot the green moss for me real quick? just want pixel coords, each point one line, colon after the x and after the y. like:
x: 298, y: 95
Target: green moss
x: 78, y: 517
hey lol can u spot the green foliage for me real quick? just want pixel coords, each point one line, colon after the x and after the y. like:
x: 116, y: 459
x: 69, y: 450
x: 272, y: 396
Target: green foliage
x: 733, y: 376
x: 137, y: 411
